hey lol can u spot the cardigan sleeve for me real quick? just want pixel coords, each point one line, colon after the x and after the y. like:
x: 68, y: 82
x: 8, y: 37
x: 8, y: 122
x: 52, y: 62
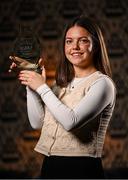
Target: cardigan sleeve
x: 35, y: 109
x: 100, y: 94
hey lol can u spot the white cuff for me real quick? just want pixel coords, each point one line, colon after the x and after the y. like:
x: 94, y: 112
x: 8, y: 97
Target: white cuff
x: 43, y: 89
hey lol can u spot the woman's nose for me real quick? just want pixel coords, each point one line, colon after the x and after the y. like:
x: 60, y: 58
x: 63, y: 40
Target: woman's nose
x: 76, y: 45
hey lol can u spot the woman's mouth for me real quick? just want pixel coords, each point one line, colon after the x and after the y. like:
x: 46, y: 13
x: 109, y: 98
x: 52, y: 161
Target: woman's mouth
x: 76, y: 54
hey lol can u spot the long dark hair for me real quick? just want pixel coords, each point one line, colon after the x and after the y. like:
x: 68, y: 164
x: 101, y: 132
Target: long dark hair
x: 65, y: 71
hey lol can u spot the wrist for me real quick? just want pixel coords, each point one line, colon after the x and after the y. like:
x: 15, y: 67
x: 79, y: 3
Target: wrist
x: 42, y: 88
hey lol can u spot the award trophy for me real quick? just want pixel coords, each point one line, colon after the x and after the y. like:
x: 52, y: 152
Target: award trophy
x: 26, y: 50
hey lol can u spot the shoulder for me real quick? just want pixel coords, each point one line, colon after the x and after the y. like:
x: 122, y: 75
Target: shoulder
x: 105, y: 81
x: 105, y: 85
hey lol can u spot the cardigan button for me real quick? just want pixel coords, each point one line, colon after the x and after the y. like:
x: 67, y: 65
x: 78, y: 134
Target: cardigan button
x: 48, y: 153
x: 53, y: 138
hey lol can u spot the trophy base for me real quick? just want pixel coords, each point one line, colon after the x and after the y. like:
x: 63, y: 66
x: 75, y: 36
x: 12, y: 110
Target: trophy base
x: 23, y: 64
x: 31, y: 67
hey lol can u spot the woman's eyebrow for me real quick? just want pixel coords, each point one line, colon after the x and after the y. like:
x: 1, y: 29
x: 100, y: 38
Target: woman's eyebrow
x: 77, y: 38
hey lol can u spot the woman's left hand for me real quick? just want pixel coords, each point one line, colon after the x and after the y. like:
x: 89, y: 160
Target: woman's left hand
x: 32, y: 79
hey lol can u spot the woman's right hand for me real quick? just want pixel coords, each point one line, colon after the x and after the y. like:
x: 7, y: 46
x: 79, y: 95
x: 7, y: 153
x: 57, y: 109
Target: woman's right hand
x: 13, y: 65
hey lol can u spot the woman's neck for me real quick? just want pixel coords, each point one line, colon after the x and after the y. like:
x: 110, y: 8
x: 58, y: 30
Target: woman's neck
x: 84, y: 72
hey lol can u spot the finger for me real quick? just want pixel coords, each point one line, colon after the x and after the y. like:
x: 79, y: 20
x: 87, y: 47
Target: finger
x: 24, y: 83
x: 43, y: 72
x: 41, y: 62
x: 20, y: 59
x: 10, y: 70
x: 12, y: 58
x: 13, y: 65
x: 17, y: 59
x: 25, y: 79
x: 27, y: 72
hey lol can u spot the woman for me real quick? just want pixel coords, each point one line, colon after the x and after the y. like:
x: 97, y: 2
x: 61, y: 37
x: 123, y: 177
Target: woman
x: 74, y: 114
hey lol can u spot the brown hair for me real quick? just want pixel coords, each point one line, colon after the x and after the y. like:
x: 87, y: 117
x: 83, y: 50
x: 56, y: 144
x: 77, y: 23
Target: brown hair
x: 65, y: 71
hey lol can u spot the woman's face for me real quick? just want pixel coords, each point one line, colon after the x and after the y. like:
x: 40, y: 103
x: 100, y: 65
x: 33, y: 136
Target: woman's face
x: 78, y: 47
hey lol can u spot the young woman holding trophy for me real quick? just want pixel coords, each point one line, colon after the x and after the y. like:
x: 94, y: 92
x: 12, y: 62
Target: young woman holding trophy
x: 75, y: 112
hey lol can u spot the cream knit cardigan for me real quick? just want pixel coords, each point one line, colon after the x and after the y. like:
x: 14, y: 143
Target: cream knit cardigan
x: 85, y: 140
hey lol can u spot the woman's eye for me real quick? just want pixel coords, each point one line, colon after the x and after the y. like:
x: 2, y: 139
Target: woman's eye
x: 68, y: 41
x: 84, y: 40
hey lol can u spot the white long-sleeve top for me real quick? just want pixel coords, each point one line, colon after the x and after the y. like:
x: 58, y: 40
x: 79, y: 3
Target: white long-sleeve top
x: 100, y: 94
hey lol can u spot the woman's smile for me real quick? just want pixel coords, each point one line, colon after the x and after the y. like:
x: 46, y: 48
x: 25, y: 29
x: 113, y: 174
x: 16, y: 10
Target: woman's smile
x: 76, y: 54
